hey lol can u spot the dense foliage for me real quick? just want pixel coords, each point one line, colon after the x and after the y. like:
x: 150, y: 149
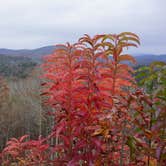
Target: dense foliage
x: 101, y: 117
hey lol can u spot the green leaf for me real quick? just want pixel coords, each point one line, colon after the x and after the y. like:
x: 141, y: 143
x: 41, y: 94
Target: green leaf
x: 138, y: 129
x: 131, y: 143
x: 143, y: 68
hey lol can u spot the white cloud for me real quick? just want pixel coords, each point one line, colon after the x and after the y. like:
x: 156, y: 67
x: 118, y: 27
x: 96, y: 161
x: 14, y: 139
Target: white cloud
x: 34, y: 23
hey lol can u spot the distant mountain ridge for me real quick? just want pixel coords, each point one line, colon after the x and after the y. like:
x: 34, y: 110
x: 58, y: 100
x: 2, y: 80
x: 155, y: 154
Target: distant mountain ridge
x: 146, y: 59
x: 37, y: 54
x: 33, y: 53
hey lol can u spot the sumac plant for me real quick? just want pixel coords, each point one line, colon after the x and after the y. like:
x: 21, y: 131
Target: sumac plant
x: 96, y: 107
x: 87, y: 88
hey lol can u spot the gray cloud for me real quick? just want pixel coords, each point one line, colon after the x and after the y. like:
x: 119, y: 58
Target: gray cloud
x: 31, y: 24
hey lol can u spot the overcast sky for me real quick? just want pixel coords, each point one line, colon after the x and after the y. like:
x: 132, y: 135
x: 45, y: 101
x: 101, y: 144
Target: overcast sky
x: 37, y: 23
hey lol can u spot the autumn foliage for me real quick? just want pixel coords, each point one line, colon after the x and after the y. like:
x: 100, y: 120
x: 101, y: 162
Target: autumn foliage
x: 100, y: 115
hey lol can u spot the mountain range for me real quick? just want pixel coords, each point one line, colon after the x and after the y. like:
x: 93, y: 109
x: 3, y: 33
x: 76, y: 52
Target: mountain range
x: 31, y: 53
x: 37, y: 54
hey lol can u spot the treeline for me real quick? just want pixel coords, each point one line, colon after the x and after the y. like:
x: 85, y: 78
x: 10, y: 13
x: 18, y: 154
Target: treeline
x: 16, y: 66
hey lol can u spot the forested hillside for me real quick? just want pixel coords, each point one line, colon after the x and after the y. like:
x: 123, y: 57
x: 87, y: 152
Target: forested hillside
x: 16, y: 67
